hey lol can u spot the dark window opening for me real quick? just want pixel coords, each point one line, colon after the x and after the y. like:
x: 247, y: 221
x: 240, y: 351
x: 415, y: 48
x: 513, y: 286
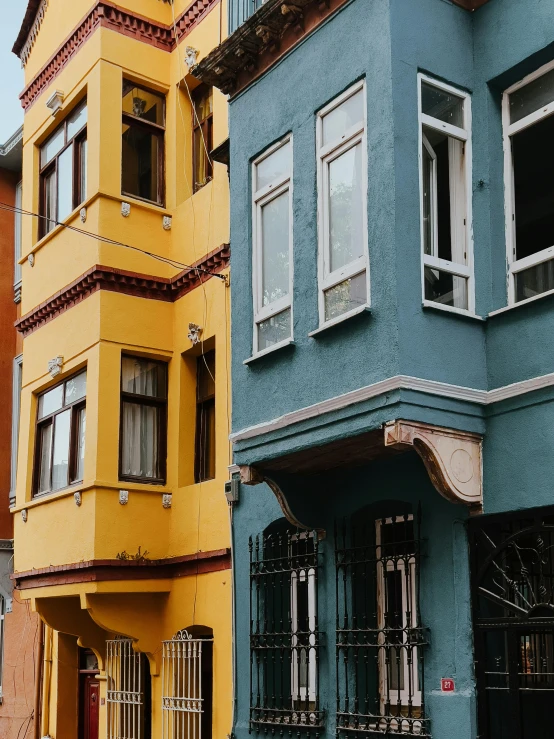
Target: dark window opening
x: 202, y: 100
x: 204, y: 454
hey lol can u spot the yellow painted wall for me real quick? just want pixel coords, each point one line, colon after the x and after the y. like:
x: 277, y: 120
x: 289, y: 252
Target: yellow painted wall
x: 96, y: 331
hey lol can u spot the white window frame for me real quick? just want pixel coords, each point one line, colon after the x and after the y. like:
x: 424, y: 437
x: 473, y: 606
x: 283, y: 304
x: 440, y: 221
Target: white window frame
x: 17, y: 242
x: 17, y: 370
x: 464, y: 135
x: 302, y: 574
x: 260, y: 198
x: 402, y: 694
x: 509, y: 130
x: 357, y: 134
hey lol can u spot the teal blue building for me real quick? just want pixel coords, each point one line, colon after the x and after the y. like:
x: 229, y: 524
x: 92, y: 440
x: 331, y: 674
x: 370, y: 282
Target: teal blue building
x: 392, y: 238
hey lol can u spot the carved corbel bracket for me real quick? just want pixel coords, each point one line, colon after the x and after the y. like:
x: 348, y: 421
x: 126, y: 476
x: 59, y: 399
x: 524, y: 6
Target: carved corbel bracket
x: 452, y: 458
x: 252, y: 476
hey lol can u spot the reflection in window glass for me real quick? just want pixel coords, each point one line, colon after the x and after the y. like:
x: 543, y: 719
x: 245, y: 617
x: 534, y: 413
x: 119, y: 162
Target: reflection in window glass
x: 346, y: 208
x: 50, y: 401
x: 144, y: 104
x: 443, y: 105
x: 83, y: 171
x: 50, y: 202
x: 273, y: 167
x: 275, y: 249
x: 141, y: 149
x: 532, y: 97
x: 60, y: 456
x: 65, y: 183
x: 52, y: 147
x: 535, y: 280
x: 446, y: 288
x: 340, y: 119
x: 45, y: 458
x: 76, y: 388
x: 76, y: 121
x: 143, y: 377
x: 274, y: 330
x: 346, y: 296
x: 80, y: 441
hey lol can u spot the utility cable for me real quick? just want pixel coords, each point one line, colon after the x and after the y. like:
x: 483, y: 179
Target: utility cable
x: 113, y: 242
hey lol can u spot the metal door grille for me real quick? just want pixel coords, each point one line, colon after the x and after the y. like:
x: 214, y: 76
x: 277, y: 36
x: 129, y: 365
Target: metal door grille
x: 513, y: 619
x: 380, y: 639
x: 284, y: 635
x: 125, y: 693
x: 183, y: 702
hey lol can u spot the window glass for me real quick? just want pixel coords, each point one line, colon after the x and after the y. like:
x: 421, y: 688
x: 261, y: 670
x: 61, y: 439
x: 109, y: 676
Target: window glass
x: 76, y: 121
x: 205, y: 418
x: 140, y: 162
x: 345, y: 296
x: 532, y: 97
x: 50, y: 401
x: 442, y: 105
x: 143, y: 104
x: 428, y: 163
x: 535, y: 280
x: 206, y: 376
x: 143, y: 377
x: 275, y: 249
x: 140, y: 447
x: 50, y: 201
x: 274, y: 329
x: 76, y: 388
x: 346, y: 208
x: 274, y: 167
x: 341, y: 119
x: 203, y: 105
x: 65, y: 183
x: 60, y: 456
x: 83, y: 170
x: 81, y: 422
x: 446, y: 288
x: 45, y: 458
x: 52, y: 147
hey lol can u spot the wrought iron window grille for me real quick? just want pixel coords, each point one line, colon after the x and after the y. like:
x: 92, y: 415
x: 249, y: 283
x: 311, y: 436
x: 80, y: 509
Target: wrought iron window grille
x: 284, y: 634
x: 126, y: 695
x: 380, y: 639
x: 512, y: 567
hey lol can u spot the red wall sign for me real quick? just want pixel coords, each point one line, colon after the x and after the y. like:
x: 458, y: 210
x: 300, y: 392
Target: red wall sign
x: 447, y: 685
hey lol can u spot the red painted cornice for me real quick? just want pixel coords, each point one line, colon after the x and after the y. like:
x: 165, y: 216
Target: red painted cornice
x: 128, y: 283
x: 470, y: 4
x: 106, y: 14
x: 103, y: 570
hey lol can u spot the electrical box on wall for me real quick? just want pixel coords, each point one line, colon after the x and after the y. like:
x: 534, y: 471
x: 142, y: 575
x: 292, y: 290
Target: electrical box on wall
x: 232, y: 491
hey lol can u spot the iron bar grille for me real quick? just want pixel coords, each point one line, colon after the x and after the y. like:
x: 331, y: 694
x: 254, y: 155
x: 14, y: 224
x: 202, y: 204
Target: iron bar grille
x: 284, y: 638
x: 380, y: 640
x: 125, y: 690
x: 513, y: 616
x: 184, y: 702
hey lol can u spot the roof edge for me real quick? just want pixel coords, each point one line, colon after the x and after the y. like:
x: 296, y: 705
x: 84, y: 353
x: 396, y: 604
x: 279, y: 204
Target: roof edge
x: 33, y: 7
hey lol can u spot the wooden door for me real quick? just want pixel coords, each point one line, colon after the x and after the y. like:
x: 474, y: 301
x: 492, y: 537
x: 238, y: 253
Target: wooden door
x: 89, y: 705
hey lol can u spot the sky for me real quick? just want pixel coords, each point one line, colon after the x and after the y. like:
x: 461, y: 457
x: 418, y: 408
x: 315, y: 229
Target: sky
x: 11, y: 74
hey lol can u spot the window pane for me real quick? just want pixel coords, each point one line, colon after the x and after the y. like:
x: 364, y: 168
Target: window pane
x: 50, y: 201
x: 445, y: 288
x: 142, y: 104
x: 81, y: 422
x: 273, y: 167
x: 345, y: 297
x: 52, y: 146
x: 76, y: 388
x: 142, y: 377
x: 76, y: 121
x: 427, y: 189
x: 83, y: 148
x: 205, y: 441
x: 346, y: 242
x: 140, y: 453
x: 203, y: 168
x: 442, y: 105
x: 45, y: 453
x: 533, y: 160
x: 60, y: 458
x: 50, y: 401
x: 535, y: 280
x: 275, y: 329
x: 206, y: 376
x: 202, y: 103
x: 141, y: 150
x: 532, y: 97
x: 275, y: 249
x: 339, y: 120
x: 65, y: 183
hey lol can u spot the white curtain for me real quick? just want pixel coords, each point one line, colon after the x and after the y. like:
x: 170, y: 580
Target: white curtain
x: 140, y: 452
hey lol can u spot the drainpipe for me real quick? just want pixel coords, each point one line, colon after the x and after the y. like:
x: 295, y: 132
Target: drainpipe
x: 46, y: 682
x: 38, y: 683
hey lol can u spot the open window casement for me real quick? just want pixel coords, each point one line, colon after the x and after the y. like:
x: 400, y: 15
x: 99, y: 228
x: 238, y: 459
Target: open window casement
x: 445, y: 199
x: 304, y: 622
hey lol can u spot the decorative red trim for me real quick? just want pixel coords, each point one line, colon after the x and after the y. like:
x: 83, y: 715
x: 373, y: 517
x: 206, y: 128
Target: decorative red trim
x: 129, y: 283
x: 106, y: 14
x: 103, y: 570
x: 470, y: 4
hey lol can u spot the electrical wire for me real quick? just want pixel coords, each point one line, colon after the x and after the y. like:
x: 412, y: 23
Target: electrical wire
x: 113, y: 242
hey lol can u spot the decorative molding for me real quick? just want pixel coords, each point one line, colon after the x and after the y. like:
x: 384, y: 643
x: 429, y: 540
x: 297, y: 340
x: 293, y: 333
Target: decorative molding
x: 78, y: 499
x: 167, y: 500
x: 263, y: 38
x: 28, y: 33
x: 128, y: 283
x: 194, y: 334
x: 55, y: 102
x: 55, y: 366
x: 123, y: 497
x: 452, y: 458
x: 83, y: 215
x: 191, y: 55
x: 24, y: 515
x: 31, y: 260
x: 103, y: 570
x: 166, y: 223
x: 106, y: 14
x: 125, y: 210
x: 12, y: 142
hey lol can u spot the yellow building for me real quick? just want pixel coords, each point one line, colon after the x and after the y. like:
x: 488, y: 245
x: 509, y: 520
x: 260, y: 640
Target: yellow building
x: 121, y: 525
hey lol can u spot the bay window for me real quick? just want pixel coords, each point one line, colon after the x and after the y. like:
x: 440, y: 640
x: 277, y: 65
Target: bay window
x: 342, y: 191
x: 272, y: 247
x: 445, y: 169
x: 63, y: 170
x: 202, y: 136
x: 60, y: 439
x: 143, y: 420
x: 529, y: 158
